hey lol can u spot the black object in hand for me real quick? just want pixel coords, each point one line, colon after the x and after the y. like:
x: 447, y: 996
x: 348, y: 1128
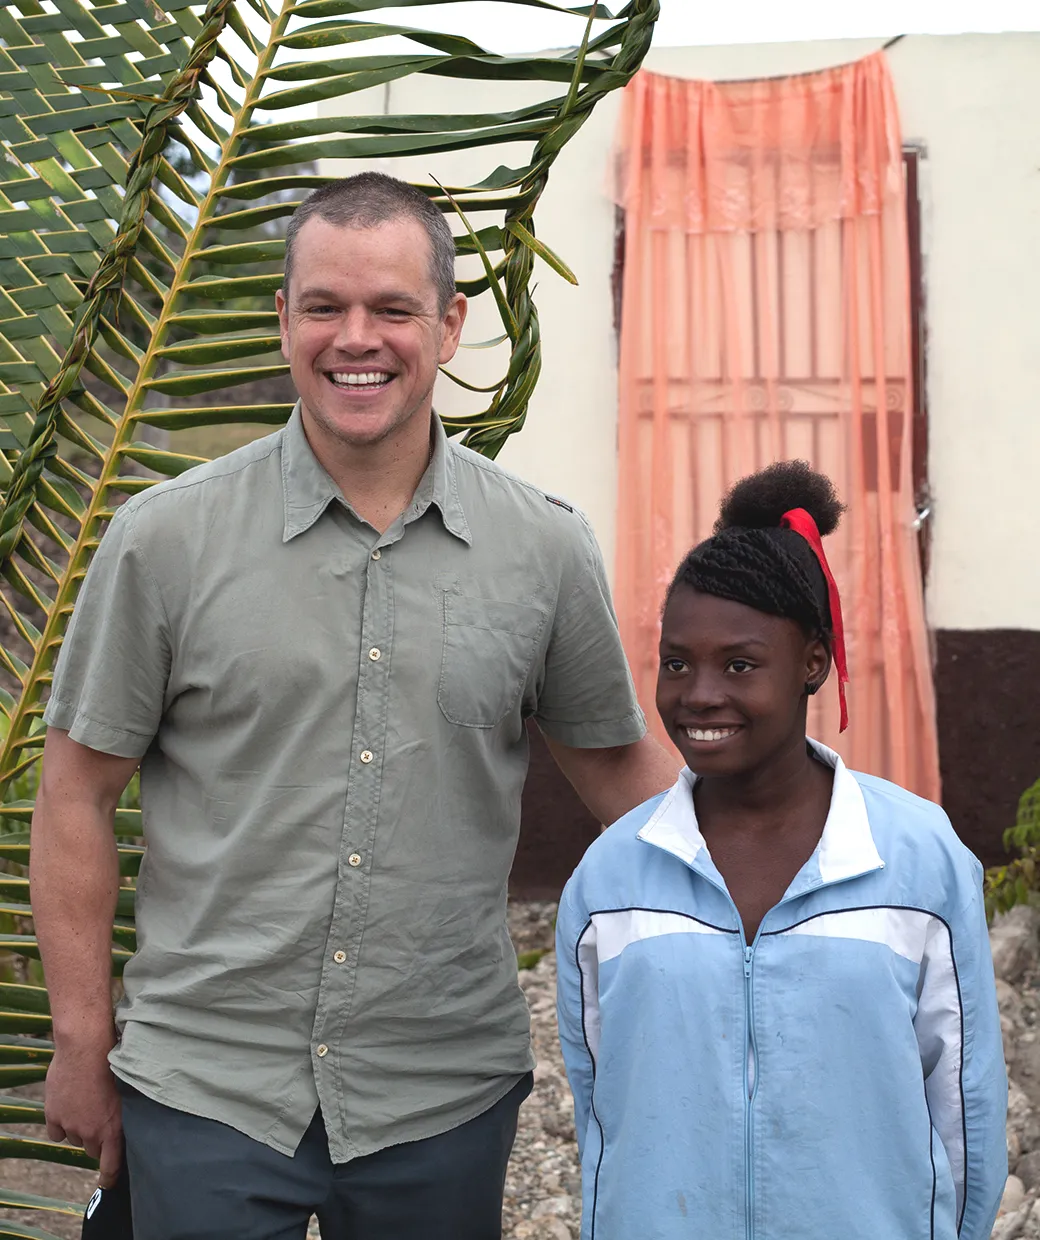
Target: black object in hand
x: 107, y: 1216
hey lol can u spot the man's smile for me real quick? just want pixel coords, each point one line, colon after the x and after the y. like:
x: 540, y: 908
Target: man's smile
x: 360, y: 381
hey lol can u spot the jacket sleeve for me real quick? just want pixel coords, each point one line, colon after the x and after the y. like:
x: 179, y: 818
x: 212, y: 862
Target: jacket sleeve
x: 958, y: 1032
x: 576, y: 984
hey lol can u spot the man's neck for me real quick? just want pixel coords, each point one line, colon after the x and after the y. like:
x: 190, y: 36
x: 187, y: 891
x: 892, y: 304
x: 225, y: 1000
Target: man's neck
x: 378, y: 480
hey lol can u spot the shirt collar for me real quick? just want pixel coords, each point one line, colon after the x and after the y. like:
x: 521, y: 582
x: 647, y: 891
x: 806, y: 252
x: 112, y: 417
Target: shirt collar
x: 846, y: 848
x: 308, y: 490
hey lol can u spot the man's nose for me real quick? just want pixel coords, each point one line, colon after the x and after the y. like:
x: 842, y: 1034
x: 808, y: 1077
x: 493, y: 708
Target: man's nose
x: 357, y: 332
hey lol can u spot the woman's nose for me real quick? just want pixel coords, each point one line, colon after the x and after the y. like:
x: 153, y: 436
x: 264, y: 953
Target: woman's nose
x: 703, y: 690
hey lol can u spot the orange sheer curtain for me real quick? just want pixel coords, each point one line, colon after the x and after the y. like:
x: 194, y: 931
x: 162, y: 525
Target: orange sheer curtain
x: 765, y: 316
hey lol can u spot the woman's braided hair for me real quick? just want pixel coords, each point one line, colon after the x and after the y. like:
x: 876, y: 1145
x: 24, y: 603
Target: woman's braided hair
x: 751, y: 559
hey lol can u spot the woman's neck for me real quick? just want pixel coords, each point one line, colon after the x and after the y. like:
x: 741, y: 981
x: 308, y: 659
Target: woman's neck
x: 791, y: 778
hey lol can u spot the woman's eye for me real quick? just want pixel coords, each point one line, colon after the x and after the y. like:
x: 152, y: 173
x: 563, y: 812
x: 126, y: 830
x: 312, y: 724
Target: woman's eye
x: 740, y: 666
x: 675, y: 666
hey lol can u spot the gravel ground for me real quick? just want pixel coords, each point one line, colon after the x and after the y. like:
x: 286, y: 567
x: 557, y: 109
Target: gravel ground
x: 543, y: 1187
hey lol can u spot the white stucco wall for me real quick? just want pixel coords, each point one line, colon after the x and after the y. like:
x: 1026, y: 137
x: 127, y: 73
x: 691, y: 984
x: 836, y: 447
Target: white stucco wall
x: 972, y: 101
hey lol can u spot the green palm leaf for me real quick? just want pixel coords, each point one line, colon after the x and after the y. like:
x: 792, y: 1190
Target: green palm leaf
x: 151, y: 155
x: 19, y: 1231
x: 30, y: 1201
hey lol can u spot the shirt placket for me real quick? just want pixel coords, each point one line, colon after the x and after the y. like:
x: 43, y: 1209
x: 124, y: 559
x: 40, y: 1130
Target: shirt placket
x: 330, y: 1053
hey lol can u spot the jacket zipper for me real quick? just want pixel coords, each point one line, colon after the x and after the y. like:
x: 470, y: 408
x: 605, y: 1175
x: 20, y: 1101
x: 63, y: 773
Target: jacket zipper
x: 750, y: 1089
x: 750, y: 1053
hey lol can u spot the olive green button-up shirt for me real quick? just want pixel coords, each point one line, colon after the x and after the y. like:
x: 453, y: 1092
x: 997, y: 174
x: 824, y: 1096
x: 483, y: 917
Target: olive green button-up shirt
x: 331, y: 727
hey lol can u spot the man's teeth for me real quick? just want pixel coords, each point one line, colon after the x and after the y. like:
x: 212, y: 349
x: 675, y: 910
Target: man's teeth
x: 370, y: 378
x: 709, y: 734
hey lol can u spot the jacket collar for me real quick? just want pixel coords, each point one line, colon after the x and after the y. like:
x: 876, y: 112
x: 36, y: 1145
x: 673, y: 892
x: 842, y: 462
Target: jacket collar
x: 846, y: 848
x: 308, y: 490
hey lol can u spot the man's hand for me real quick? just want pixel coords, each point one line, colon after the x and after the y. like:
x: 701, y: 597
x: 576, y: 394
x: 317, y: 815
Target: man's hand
x: 74, y: 882
x: 82, y: 1106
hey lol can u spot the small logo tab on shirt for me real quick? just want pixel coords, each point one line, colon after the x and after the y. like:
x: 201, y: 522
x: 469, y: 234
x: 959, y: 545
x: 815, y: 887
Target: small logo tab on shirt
x: 559, y: 503
x: 94, y: 1202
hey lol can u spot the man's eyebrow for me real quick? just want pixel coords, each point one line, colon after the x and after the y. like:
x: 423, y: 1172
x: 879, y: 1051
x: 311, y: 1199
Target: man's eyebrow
x: 317, y: 292
x: 390, y: 297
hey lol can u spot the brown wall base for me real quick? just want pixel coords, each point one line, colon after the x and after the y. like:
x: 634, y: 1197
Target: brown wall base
x: 988, y: 697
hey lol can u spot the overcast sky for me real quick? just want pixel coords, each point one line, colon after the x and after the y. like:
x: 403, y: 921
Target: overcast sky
x: 685, y: 22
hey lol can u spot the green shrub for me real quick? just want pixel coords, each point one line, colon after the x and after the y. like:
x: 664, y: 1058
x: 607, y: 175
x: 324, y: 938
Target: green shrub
x: 1018, y: 881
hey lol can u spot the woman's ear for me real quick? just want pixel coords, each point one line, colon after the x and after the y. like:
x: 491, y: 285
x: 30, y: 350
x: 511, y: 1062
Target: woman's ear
x: 817, y: 666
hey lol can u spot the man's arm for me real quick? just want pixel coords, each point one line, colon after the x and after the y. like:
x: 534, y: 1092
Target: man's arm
x: 614, y: 780
x: 74, y: 881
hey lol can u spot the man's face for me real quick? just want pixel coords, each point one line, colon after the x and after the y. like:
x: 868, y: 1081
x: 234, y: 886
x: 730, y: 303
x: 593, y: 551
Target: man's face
x: 362, y: 331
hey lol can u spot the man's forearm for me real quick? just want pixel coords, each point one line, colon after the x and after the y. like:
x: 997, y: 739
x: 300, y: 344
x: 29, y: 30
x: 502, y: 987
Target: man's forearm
x: 74, y: 882
x: 613, y: 781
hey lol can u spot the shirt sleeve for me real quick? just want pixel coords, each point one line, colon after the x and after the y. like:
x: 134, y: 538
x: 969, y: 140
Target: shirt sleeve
x: 110, y: 681
x: 587, y: 699
x: 958, y: 1031
x: 574, y: 990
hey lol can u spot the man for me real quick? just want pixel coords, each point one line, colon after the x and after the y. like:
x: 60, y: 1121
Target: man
x: 321, y: 650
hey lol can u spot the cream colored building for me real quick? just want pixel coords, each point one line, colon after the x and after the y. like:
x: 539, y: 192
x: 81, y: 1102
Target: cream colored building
x: 971, y: 104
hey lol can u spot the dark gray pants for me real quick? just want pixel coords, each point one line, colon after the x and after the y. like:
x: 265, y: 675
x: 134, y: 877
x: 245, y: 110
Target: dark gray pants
x: 196, y: 1179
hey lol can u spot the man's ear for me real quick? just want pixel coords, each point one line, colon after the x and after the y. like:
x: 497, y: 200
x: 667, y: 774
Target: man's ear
x: 453, y: 320
x: 282, y: 306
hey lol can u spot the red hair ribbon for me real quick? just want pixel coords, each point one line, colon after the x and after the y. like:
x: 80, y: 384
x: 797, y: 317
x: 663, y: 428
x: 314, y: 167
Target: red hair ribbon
x: 801, y: 522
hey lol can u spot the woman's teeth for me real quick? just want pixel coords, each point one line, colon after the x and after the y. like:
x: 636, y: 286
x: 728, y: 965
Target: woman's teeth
x: 709, y: 734
x: 370, y: 378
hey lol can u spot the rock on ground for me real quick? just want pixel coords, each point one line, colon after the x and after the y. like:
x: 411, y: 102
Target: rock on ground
x: 1015, y: 941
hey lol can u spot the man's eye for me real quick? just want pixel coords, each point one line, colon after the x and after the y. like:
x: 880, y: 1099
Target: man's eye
x: 740, y: 666
x: 319, y: 310
x: 394, y: 313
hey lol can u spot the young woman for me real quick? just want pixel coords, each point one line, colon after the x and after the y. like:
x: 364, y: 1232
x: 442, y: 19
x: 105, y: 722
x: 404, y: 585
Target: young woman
x: 776, y: 998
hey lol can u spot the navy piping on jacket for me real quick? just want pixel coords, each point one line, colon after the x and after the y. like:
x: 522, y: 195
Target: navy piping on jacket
x: 592, y: 1061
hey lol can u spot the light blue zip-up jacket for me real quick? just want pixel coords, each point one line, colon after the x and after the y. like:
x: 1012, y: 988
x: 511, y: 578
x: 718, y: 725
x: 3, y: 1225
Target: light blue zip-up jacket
x: 840, y: 1078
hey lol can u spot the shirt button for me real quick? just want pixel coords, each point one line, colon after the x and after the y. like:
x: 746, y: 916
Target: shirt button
x: 339, y: 957
x: 375, y: 654
x: 366, y: 756
x: 377, y: 554
x: 323, y: 1050
x: 354, y: 859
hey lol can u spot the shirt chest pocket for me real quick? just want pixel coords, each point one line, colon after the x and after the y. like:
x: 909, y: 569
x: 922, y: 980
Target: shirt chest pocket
x: 489, y: 646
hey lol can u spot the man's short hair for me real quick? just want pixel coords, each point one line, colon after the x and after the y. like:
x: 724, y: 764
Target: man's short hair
x: 368, y: 200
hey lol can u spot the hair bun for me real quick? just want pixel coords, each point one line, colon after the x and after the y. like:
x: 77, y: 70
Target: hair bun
x: 760, y: 500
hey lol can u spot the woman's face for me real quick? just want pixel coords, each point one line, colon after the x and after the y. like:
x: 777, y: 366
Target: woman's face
x: 731, y: 682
